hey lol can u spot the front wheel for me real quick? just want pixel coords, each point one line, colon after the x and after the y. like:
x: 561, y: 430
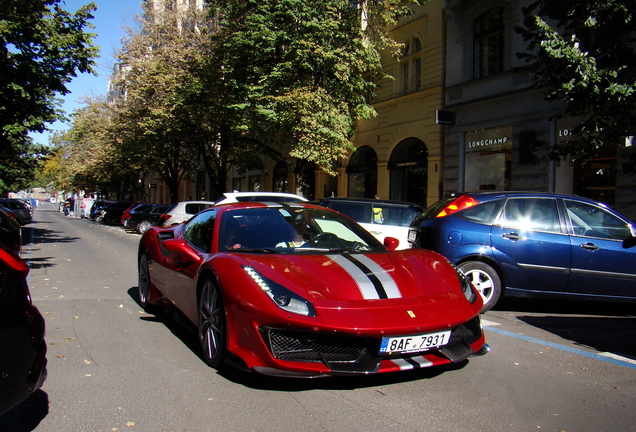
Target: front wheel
x: 212, y: 324
x: 144, y: 284
x: 485, y: 279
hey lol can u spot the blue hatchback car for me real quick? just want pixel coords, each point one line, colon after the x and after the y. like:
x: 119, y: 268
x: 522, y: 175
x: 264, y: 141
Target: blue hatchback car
x: 527, y: 244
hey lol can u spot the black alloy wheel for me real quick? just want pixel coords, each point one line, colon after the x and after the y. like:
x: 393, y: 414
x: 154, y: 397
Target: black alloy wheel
x: 212, y: 324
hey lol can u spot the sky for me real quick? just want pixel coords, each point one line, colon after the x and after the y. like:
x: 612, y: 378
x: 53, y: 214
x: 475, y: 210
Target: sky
x: 111, y: 18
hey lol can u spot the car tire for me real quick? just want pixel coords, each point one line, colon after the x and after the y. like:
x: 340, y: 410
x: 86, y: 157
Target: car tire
x: 212, y: 324
x: 485, y: 279
x: 143, y: 226
x: 144, y: 284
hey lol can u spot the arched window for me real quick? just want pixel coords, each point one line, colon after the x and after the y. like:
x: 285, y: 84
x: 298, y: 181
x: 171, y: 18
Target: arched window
x: 363, y: 173
x: 409, y: 171
x: 411, y: 66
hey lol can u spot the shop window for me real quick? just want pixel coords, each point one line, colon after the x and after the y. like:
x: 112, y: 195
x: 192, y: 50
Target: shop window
x: 489, y: 43
x: 411, y: 66
x: 255, y: 183
x: 281, y: 177
x: 488, y: 159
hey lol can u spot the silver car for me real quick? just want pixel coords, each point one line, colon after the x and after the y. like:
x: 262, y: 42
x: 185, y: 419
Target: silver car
x: 19, y: 209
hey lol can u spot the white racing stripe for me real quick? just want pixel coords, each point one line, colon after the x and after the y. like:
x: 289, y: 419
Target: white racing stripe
x: 412, y: 363
x: 390, y: 287
x: 361, y: 279
x: 375, y: 284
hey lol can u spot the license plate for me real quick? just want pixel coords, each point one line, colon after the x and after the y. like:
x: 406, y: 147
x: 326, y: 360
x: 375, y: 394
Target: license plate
x: 414, y: 343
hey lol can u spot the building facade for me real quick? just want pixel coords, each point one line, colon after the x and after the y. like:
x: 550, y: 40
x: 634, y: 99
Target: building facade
x: 503, y: 126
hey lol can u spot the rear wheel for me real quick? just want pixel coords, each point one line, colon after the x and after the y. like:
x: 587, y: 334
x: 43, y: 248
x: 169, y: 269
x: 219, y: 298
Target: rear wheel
x: 212, y: 325
x: 485, y: 279
x: 143, y: 226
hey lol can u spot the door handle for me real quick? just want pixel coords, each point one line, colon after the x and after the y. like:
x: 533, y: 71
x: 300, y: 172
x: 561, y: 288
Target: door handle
x: 512, y: 236
x: 589, y: 246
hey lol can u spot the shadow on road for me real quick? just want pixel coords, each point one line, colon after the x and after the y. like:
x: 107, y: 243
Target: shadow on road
x: 602, y: 326
x: 43, y: 235
x: 26, y: 416
x: 187, y: 333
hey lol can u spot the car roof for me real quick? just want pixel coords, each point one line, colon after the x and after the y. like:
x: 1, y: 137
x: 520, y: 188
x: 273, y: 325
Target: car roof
x: 490, y: 195
x: 370, y: 200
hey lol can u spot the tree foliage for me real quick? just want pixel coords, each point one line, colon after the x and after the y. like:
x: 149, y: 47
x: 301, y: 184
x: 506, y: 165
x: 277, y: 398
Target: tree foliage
x: 160, y: 119
x: 585, y: 53
x: 297, y: 73
x: 42, y: 48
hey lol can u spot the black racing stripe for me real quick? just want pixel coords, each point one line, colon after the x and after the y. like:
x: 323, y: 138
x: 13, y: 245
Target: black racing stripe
x: 372, y: 277
x: 410, y: 361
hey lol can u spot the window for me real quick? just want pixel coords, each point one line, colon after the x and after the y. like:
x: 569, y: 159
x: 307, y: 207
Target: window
x: 590, y: 221
x: 489, y: 43
x: 198, y: 232
x: 411, y: 66
x: 537, y: 214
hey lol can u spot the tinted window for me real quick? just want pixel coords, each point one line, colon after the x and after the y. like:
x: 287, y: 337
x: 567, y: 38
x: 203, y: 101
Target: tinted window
x: 199, y: 230
x: 485, y: 213
x: 195, y: 208
x: 538, y: 214
x: 591, y: 221
x: 356, y: 211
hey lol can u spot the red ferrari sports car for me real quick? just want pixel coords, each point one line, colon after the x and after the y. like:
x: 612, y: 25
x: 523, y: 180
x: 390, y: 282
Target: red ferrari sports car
x: 294, y: 289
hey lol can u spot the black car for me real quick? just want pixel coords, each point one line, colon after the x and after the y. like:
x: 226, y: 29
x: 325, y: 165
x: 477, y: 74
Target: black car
x: 111, y: 214
x: 147, y: 217
x: 22, y: 345
x: 97, y: 207
x: 10, y: 231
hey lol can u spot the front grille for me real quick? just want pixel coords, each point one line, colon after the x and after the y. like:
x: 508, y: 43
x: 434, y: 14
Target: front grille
x: 303, y: 347
x: 470, y: 332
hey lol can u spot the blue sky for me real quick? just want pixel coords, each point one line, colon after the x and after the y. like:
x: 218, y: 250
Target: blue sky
x: 110, y: 20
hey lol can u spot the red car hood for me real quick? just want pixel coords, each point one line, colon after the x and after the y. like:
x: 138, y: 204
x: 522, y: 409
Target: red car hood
x: 413, y: 283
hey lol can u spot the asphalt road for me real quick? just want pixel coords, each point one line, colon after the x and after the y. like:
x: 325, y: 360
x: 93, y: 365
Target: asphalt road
x: 112, y: 367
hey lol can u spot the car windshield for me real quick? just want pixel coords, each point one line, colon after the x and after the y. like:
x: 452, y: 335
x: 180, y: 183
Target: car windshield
x: 293, y: 230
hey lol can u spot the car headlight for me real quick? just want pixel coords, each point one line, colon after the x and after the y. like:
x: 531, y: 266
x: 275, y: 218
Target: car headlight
x: 284, y: 298
x: 467, y: 287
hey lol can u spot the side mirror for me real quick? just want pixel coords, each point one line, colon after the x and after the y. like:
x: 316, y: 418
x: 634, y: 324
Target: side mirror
x: 391, y: 243
x: 181, y: 247
x: 629, y: 242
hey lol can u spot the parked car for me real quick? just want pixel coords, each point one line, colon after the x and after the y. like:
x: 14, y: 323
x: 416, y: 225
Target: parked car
x: 97, y: 207
x: 182, y: 211
x: 382, y: 218
x: 299, y: 290
x: 111, y: 213
x: 147, y: 217
x: 230, y: 197
x: 22, y: 345
x: 125, y: 217
x: 19, y: 208
x: 539, y: 245
x: 10, y: 231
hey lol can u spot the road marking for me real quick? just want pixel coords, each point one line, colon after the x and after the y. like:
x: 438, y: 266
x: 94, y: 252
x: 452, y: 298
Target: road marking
x: 618, y: 357
x: 613, y: 358
x: 489, y: 323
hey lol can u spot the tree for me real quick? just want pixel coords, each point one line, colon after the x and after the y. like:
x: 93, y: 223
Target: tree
x: 159, y: 122
x: 43, y: 47
x: 585, y: 54
x: 293, y: 76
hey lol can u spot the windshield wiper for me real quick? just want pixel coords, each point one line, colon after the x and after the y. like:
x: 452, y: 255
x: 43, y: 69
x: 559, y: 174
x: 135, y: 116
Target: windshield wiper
x: 257, y: 250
